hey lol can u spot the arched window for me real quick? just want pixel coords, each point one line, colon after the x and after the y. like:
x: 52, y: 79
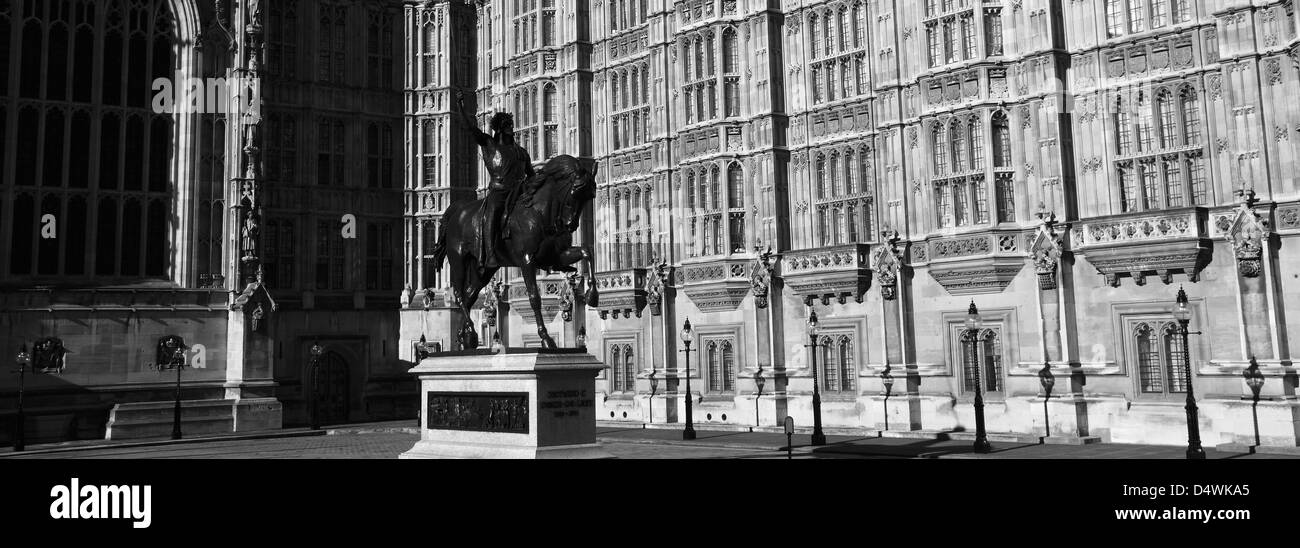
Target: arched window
x: 822, y: 183
x: 1191, y: 116
x: 715, y: 188
x: 730, y: 53
x: 728, y: 367
x: 623, y: 90
x: 859, y: 26
x: 715, y: 367
x: 850, y: 186
x: 629, y: 369
x: 833, y: 172
x: 1145, y: 123
x: 829, y: 33
x: 938, y: 148
x: 731, y: 70
x: 1123, y: 127
x: 958, y: 136
x: 851, y: 223
x: 699, y: 58
x: 551, y: 108
x: 1001, y: 140
x: 976, y: 127
x: 818, y: 92
x: 686, y: 54
x: 1168, y: 119
x: 860, y: 74
x: 848, y: 369
x: 735, y: 187
x: 1160, y: 358
x: 960, y: 201
x: 645, y: 82
x: 616, y: 364
x: 86, y: 129
x: 866, y: 176
x: 824, y: 225
x: 690, y: 191
x: 842, y: 23
x: 814, y: 37
x: 830, y: 364
x: 982, y: 351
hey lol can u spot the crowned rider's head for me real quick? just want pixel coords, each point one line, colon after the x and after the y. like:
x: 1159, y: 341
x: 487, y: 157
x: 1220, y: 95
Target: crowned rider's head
x: 503, y: 123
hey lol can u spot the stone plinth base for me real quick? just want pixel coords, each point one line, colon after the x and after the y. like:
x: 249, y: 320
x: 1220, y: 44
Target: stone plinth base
x: 520, y: 404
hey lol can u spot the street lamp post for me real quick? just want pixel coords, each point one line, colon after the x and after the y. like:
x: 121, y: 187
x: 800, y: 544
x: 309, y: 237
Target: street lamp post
x: 689, y: 432
x: 758, y: 383
x: 973, y: 325
x: 818, y: 438
x: 316, y: 351
x: 178, y: 361
x: 23, y: 359
x: 888, y: 381
x: 1184, y: 316
x: 171, y: 355
x: 1255, y: 380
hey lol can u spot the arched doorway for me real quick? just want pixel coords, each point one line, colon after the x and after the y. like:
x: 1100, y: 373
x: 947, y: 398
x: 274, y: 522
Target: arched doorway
x: 332, y: 397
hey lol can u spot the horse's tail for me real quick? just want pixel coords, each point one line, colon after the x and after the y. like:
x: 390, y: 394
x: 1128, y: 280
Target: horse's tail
x: 440, y: 247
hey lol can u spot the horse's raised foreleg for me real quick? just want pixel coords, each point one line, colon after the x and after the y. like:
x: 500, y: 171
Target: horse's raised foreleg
x: 535, y: 301
x: 578, y: 253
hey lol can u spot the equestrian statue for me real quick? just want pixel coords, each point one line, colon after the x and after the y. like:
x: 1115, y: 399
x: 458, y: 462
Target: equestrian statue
x: 526, y: 220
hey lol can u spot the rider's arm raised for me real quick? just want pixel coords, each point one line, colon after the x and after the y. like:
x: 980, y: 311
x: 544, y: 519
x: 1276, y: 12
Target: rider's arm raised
x: 470, y: 124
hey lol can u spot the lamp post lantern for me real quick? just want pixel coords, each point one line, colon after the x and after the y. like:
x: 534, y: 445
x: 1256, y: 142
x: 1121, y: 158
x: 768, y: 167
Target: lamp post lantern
x: 316, y: 351
x: 759, y: 381
x: 23, y: 359
x: 973, y: 324
x: 818, y: 438
x: 689, y: 432
x: 1183, y: 314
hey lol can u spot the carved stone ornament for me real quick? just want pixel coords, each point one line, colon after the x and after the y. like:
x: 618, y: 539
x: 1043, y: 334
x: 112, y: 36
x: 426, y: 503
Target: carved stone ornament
x: 654, y: 287
x: 885, y: 263
x: 1247, y: 235
x: 490, y: 299
x: 760, y: 278
x: 1045, y: 252
x: 568, y: 290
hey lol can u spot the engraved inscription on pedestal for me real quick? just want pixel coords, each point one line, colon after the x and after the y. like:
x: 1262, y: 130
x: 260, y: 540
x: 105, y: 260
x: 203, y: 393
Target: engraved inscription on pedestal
x: 565, y: 403
x: 479, y: 412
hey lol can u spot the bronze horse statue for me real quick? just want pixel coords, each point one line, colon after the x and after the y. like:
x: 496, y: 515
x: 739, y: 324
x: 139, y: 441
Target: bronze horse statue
x: 546, y: 210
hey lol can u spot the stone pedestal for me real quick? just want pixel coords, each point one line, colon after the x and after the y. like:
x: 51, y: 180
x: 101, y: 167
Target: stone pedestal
x: 522, y: 403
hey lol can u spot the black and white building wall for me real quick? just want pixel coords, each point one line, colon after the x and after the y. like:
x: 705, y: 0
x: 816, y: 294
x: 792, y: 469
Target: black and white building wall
x: 1065, y: 165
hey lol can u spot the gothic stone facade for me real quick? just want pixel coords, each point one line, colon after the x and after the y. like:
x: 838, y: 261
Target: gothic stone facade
x: 224, y: 228
x: 1065, y: 166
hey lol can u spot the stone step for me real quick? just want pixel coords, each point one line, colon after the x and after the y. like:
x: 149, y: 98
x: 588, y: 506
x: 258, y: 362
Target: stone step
x: 942, y: 435
x: 154, y: 419
x: 1262, y: 449
x: 1071, y: 440
x: 802, y: 430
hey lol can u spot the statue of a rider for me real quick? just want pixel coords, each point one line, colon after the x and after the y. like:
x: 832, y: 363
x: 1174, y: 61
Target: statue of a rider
x: 508, y: 165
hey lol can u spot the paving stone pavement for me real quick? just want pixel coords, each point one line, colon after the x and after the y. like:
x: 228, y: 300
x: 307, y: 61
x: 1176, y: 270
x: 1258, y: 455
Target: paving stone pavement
x: 388, y: 440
